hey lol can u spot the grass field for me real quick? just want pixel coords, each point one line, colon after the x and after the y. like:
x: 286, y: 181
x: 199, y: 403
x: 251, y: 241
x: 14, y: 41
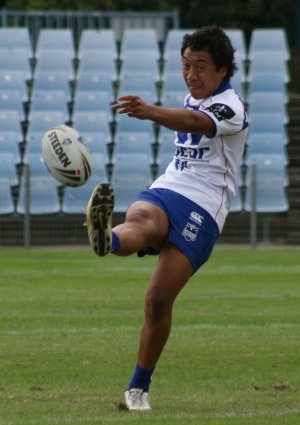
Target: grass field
x: 69, y: 328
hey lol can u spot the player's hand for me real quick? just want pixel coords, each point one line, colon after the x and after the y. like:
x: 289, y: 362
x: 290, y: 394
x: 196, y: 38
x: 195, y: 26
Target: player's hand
x: 133, y: 106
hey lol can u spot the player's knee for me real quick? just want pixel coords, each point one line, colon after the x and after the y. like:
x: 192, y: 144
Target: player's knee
x: 158, y: 306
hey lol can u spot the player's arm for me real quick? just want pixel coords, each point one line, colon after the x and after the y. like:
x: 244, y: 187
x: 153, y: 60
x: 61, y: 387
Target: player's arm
x: 177, y: 119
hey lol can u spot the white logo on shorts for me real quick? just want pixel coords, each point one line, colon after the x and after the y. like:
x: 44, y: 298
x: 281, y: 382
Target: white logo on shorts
x: 196, y: 217
x: 190, y: 232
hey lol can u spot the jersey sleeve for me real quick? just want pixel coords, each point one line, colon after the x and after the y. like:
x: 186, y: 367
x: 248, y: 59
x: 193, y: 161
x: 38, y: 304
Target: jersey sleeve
x: 227, y: 112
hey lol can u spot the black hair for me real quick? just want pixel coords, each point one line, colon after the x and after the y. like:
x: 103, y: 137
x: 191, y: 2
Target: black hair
x: 213, y: 40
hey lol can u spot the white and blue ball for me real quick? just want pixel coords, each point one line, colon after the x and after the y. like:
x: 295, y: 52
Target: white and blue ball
x: 66, y: 156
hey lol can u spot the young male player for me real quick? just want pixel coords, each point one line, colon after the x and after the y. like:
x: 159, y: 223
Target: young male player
x: 183, y: 212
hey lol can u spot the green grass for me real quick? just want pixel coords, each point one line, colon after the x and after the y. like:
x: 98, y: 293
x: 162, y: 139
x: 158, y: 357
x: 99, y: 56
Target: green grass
x: 69, y: 329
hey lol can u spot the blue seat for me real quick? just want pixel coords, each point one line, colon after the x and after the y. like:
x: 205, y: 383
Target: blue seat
x: 174, y: 82
x: 10, y: 123
x: 131, y: 175
x: 55, y: 61
x: 237, y: 38
x: 7, y: 205
x: 237, y: 83
x: 92, y: 122
x: 95, y: 81
x: 55, y: 39
x: 268, y: 102
x: 16, y: 60
x: 139, y: 83
x: 97, y: 41
x: 9, y: 143
x: 133, y: 142
x: 165, y: 140
x: 14, y: 81
x: 128, y: 124
x: 102, y: 63
x: 41, y: 121
x: 172, y: 64
x: 268, y: 82
x: 8, y: 168
x: 86, y: 101
x: 241, y: 71
x: 38, y: 168
x: 138, y: 41
x: 48, y: 80
x: 16, y: 38
x: 265, y: 144
x: 163, y: 160
x: 12, y: 100
x: 149, y: 65
x: 44, y: 197
x: 267, y: 163
x: 173, y: 99
x: 268, y: 123
x: 265, y: 40
x: 268, y: 62
x: 173, y: 41
x: 50, y: 100
x: 98, y: 142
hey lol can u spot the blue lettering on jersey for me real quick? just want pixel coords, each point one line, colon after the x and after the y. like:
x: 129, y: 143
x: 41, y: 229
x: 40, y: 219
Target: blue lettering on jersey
x: 194, y: 138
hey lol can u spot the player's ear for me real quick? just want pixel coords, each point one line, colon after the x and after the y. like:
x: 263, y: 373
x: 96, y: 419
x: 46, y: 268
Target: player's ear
x: 223, y: 71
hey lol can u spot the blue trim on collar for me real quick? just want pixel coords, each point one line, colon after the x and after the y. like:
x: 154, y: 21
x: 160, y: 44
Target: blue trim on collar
x: 223, y: 87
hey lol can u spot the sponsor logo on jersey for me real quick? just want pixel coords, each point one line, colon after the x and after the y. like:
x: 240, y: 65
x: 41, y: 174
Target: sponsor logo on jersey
x: 190, y: 232
x: 221, y: 111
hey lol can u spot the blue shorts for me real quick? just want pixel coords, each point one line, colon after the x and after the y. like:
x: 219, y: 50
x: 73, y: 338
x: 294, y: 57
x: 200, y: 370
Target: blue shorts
x: 192, y: 229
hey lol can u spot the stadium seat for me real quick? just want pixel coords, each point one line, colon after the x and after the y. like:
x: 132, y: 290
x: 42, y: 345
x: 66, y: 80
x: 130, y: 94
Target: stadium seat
x: 237, y: 38
x: 8, y: 168
x: 172, y: 64
x: 237, y: 83
x: 265, y: 40
x: 55, y: 39
x: 268, y: 123
x: 131, y: 175
x: 9, y: 143
x: 268, y: 62
x: 14, y: 81
x: 10, y: 123
x: 97, y: 41
x: 41, y: 121
x: 15, y: 60
x: 7, y: 205
x: 139, y: 83
x: 268, y: 163
x: 149, y: 65
x: 173, y: 41
x: 133, y: 142
x: 16, y: 38
x: 173, y: 99
x: 94, y: 81
x: 48, y: 81
x: 163, y: 160
x: 98, y: 142
x: 50, y: 100
x: 55, y: 61
x: 265, y: 144
x: 38, y: 168
x: 86, y: 101
x: 139, y: 41
x: 165, y: 141
x: 268, y: 82
x: 101, y: 63
x: 44, y: 197
x: 12, y: 100
x: 128, y: 124
x: 267, y: 102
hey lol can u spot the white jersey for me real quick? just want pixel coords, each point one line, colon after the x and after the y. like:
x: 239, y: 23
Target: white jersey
x: 205, y: 169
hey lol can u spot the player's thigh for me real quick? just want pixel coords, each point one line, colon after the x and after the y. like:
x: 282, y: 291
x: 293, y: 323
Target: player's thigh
x: 149, y: 219
x: 171, y: 274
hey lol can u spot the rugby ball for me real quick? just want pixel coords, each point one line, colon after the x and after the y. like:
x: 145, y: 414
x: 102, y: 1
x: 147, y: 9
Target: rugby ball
x: 66, y: 156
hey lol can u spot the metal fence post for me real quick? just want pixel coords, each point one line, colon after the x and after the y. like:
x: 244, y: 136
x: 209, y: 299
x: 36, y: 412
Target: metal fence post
x: 27, y: 224
x: 253, y: 217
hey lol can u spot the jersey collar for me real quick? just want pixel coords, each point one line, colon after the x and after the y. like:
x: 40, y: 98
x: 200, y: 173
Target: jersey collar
x: 223, y: 87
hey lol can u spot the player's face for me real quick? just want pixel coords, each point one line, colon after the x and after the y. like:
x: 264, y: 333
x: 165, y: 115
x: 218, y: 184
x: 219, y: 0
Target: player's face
x: 200, y: 73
